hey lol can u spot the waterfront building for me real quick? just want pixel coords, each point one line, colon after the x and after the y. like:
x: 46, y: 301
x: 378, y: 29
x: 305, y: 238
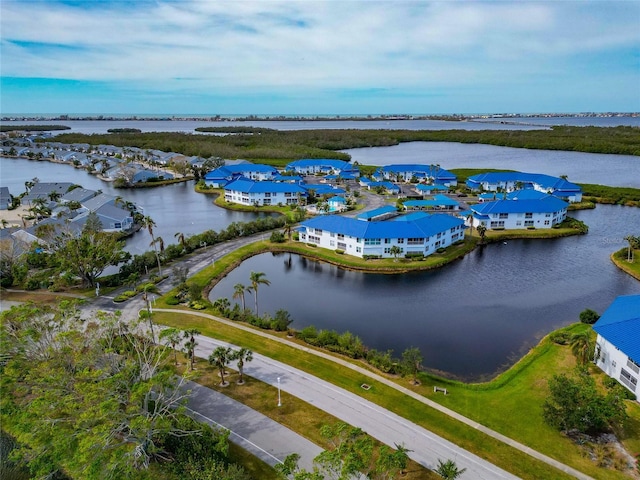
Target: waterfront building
x: 422, y: 236
x: 510, y: 181
x: 249, y: 192
x: 617, y: 351
x: 221, y: 176
x: 438, y: 202
x: 416, y: 173
x: 324, y: 166
x: 517, y: 214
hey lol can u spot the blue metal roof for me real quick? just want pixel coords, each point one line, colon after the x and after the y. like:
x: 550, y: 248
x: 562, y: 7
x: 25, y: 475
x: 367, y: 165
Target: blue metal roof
x: 545, y: 181
x: 239, y: 169
x: 409, y: 217
x: 323, y: 189
x: 526, y: 194
x: 620, y: 325
x: 419, y: 170
x: 548, y: 204
x: 422, y: 186
x: 420, y: 228
x: 249, y: 186
x: 437, y: 200
x: 376, y: 212
x: 321, y: 162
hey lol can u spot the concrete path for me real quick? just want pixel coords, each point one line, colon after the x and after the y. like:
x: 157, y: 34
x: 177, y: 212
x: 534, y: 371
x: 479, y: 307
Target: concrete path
x: 256, y: 433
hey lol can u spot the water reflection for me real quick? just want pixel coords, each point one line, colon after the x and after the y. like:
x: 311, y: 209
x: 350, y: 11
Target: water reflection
x: 471, y: 318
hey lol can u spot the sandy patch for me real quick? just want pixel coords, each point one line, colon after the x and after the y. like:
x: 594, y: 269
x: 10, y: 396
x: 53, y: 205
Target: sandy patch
x: 14, y: 217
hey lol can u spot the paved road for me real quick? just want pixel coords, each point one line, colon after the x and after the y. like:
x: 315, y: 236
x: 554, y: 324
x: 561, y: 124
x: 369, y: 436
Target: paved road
x: 381, y: 424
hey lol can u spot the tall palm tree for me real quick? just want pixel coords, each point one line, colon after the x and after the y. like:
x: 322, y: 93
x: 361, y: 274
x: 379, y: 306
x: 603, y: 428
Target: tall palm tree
x: 582, y: 347
x: 244, y: 355
x: 634, y: 242
x: 257, y: 279
x: 180, y: 237
x: 148, y: 223
x: 190, y: 344
x: 221, y: 357
x: 238, y: 292
x: 146, y: 290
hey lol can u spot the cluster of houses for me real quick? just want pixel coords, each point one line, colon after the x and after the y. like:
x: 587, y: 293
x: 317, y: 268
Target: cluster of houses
x: 68, y: 207
x: 110, y: 162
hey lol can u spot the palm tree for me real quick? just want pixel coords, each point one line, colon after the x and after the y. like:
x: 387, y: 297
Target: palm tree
x: 180, y: 237
x: 395, y: 251
x: 146, y: 290
x: 482, y: 231
x: 288, y: 228
x: 172, y: 338
x: 190, y: 344
x: 634, y: 242
x: 221, y: 357
x: 243, y: 355
x: 582, y: 347
x: 238, y: 292
x: 449, y: 470
x: 148, y: 223
x: 257, y: 278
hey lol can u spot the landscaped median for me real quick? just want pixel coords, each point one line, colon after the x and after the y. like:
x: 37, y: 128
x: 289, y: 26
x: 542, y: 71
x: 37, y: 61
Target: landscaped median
x: 511, y: 404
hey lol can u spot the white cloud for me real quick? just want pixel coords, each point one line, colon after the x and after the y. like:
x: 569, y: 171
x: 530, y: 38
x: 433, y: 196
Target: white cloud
x: 360, y: 44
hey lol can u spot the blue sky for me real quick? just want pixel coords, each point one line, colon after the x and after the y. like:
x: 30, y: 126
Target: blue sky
x: 327, y: 57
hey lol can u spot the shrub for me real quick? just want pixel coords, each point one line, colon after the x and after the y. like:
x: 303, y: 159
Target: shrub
x: 339, y: 251
x: 197, y: 306
x: 277, y: 237
x: 441, y: 250
x: 589, y: 316
x: 173, y: 300
x: 561, y: 338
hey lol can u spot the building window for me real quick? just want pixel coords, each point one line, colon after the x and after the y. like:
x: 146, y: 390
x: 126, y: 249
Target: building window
x: 633, y: 365
x: 439, y: 235
x: 372, y: 241
x: 547, y: 214
x: 497, y: 224
x: 629, y: 380
x: 401, y: 240
x: 342, y: 246
x: 504, y: 215
x: 546, y: 222
x: 387, y: 240
x: 519, y: 223
x: 332, y: 235
x: 267, y: 195
x: 340, y: 236
x: 266, y: 201
x: 358, y: 249
x: 332, y: 243
x: 528, y: 215
x: 318, y: 231
x: 415, y: 241
x: 528, y: 223
x: 117, y: 225
x: 314, y: 239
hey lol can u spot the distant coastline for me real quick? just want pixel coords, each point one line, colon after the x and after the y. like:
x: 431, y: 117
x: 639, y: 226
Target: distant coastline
x: 498, y: 117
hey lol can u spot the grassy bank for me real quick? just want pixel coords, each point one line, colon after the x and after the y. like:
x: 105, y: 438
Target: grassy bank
x: 619, y: 258
x: 627, y: 196
x: 516, y: 395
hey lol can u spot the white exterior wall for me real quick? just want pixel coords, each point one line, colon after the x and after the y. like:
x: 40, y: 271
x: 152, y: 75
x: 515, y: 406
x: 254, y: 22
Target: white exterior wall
x: 519, y: 220
x: 261, y: 198
x: 612, y: 362
x: 359, y: 247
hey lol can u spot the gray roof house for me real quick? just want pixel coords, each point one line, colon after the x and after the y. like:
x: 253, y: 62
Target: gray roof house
x: 78, y: 195
x: 94, y: 203
x: 113, y: 219
x: 5, y: 198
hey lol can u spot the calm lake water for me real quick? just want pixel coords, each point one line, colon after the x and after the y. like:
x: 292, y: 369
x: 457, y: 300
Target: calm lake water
x: 175, y: 208
x: 189, y: 126
x: 471, y: 318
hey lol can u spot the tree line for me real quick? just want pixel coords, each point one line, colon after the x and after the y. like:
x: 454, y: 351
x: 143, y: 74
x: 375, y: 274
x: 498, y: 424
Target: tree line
x: 277, y: 147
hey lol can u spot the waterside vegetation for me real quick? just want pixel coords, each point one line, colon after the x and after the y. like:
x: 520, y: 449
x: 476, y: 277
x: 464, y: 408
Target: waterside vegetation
x: 277, y: 147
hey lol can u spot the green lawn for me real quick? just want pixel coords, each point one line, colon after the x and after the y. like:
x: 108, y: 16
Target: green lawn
x: 511, y: 404
x: 620, y: 259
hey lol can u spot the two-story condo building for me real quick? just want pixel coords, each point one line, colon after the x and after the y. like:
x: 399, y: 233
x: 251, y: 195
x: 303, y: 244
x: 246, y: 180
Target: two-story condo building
x: 509, y: 181
x: 221, y: 176
x: 248, y: 192
x: 514, y: 214
x: 407, y: 172
x: 423, y: 235
x: 618, y: 342
x: 313, y: 166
